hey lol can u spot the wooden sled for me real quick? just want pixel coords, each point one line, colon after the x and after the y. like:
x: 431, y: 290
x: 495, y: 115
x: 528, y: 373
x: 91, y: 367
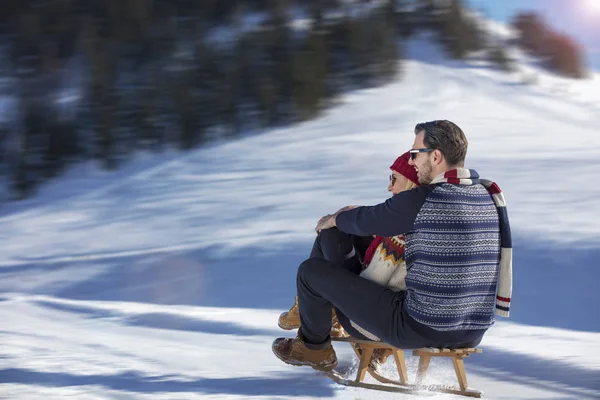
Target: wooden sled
x: 401, y: 385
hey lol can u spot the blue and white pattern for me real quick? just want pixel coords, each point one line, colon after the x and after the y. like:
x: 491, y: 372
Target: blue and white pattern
x: 452, y: 259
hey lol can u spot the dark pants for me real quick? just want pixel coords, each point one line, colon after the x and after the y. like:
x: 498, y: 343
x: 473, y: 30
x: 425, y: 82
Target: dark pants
x: 338, y: 248
x: 322, y: 284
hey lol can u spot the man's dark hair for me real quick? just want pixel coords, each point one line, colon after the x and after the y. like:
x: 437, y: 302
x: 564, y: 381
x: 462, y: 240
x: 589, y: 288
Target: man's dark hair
x: 446, y: 137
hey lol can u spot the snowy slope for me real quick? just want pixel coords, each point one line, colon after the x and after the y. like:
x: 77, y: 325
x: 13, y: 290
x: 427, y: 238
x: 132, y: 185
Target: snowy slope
x: 165, y: 280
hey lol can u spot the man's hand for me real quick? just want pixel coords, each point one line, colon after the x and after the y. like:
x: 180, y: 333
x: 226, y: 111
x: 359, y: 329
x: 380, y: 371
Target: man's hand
x: 328, y: 221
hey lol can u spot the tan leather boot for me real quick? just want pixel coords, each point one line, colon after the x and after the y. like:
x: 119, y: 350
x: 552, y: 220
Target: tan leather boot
x: 337, y: 330
x: 378, y: 358
x: 290, y: 319
x: 294, y: 352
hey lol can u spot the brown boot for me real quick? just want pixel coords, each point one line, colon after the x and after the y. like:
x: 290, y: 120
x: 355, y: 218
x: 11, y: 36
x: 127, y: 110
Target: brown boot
x: 291, y: 319
x: 294, y: 352
x: 378, y: 358
x: 337, y: 330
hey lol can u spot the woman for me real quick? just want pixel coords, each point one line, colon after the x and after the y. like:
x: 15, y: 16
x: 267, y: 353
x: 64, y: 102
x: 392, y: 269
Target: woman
x: 375, y: 258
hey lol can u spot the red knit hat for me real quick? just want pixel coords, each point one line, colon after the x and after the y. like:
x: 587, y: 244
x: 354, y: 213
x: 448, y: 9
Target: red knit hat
x: 401, y: 166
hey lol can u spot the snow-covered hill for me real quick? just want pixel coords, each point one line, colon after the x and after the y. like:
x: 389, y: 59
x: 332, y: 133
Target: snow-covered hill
x: 164, y: 280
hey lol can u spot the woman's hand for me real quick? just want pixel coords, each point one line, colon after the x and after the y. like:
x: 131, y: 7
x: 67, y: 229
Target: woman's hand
x: 325, y: 222
x: 347, y: 208
x: 328, y: 221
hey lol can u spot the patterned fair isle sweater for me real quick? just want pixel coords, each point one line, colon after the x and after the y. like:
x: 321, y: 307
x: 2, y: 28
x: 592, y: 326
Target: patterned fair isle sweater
x: 452, y: 251
x: 387, y: 266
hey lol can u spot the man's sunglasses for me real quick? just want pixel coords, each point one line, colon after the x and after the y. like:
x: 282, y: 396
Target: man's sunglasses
x: 414, y: 152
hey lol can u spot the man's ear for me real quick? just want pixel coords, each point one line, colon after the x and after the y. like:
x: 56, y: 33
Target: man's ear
x: 438, y: 157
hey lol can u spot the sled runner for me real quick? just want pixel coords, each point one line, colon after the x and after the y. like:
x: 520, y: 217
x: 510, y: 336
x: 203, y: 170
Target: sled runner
x: 364, y: 350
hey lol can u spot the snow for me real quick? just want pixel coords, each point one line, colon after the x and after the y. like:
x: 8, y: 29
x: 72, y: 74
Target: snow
x: 164, y: 280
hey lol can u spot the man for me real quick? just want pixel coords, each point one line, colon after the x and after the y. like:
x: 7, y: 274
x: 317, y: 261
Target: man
x: 458, y: 255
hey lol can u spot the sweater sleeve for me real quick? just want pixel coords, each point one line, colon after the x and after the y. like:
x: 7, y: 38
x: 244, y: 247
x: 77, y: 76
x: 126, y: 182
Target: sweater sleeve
x: 393, y: 217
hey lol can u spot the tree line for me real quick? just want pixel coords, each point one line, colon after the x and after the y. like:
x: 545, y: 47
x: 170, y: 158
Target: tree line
x: 101, y: 79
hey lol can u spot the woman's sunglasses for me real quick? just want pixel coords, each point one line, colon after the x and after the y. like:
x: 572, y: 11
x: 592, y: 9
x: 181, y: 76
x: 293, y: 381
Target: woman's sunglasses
x: 414, y: 152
